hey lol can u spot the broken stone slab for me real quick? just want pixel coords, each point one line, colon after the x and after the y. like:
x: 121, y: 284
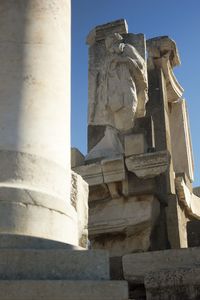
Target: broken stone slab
x: 134, y: 144
x: 178, y: 284
x: 77, y: 158
x: 113, y: 169
x: 54, y: 264
x: 63, y: 289
x: 136, y: 266
x: 148, y: 165
x: 91, y: 173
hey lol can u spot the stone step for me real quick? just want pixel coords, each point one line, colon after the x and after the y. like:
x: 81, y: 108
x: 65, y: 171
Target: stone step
x: 136, y: 266
x: 63, y: 290
x: 59, y: 264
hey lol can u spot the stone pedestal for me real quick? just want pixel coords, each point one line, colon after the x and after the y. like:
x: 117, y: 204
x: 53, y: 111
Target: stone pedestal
x: 34, y: 120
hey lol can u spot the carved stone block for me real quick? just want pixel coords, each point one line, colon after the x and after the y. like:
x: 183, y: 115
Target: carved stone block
x: 134, y: 144
x: 148, y: 165
x: 123, y: 225
x: 113, y: 169
x: 92, y: 173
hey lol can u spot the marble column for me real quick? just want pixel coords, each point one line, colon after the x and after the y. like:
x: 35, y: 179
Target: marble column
x: 35, y: 120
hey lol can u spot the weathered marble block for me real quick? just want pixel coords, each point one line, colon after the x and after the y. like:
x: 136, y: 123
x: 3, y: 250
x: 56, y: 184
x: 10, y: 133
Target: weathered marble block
x: 148, y: 165
x: 91, y: 173
x: 113, y: 169
x: 123, y: 225
x: 134, y: 144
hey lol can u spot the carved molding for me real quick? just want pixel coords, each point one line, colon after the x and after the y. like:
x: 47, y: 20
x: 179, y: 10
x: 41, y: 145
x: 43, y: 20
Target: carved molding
x: 148, y: 165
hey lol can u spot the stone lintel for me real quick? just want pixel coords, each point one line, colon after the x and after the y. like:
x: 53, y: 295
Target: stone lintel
x: 100, y: 32
x: 148, y: 165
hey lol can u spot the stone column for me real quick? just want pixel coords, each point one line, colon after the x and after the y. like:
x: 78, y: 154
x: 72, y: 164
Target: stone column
x: 34, y: 120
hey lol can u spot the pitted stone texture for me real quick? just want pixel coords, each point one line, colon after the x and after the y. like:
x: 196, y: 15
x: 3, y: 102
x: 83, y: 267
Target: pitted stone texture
x: 54, y: 264
x: 63, y: 290
x: 137, y: 266
x: 179, y: 284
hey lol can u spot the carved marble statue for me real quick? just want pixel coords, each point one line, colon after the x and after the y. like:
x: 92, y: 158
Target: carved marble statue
x: 121, y: 86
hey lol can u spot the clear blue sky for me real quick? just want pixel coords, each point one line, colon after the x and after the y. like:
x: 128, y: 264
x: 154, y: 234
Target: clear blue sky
x: 179, y: 19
